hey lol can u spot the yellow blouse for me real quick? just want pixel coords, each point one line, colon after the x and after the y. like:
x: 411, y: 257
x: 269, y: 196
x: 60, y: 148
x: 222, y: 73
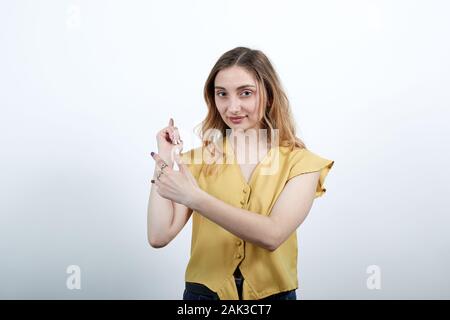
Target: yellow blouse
x: 215, y: 252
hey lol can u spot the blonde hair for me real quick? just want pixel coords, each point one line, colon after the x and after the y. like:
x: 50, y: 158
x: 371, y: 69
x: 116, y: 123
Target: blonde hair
x: 274, y: 111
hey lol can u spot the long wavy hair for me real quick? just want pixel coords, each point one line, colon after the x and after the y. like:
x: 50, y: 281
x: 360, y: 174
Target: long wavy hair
x: 274, y: 108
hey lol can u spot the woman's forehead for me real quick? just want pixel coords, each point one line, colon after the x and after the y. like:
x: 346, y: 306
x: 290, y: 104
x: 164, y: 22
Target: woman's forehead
x: 234, y: 78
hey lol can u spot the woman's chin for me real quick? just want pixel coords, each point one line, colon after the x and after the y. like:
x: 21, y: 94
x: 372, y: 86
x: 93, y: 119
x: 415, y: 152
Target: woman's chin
x: 244, y: 129
x: 241, y: 126
x: 238, y: 126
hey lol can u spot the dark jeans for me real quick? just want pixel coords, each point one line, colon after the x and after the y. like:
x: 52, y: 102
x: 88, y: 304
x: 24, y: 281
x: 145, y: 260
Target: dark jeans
x: 196, y: 292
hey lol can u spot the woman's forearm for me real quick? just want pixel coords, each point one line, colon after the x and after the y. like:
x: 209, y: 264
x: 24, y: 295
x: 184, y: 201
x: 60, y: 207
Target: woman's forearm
x: 247, y: 225
x: 159, y: 218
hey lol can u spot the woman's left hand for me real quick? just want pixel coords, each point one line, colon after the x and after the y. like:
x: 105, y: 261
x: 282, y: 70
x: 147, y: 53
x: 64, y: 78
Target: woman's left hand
x: 179, y: 186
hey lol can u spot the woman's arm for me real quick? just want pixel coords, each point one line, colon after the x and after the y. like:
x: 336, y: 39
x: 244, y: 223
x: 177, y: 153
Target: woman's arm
x: 159, y: 218
x: 165, y: 218
x: 269, y: 232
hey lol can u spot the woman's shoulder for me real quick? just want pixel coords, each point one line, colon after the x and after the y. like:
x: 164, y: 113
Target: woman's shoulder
x: 303, y: 160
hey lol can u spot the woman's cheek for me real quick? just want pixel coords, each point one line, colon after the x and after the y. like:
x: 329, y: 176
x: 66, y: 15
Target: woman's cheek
x: 219, y: 108
x: 252, y: 112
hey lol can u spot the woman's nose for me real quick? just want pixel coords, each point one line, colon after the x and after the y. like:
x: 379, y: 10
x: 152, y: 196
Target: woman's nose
x: 235, y: 106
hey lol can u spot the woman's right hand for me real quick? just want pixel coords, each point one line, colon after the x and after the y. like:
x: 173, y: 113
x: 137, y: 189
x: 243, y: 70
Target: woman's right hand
x: 169, y: 142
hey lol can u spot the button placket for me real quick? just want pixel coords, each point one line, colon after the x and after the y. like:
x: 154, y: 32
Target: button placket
x: 245, y: 196
x: 240, y: 243
x: 239, y: 249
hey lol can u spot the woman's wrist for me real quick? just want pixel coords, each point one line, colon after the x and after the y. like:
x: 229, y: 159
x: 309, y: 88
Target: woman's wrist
x: 196, y: 197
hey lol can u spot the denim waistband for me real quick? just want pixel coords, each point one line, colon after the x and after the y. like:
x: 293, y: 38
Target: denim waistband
x: 199, y: 288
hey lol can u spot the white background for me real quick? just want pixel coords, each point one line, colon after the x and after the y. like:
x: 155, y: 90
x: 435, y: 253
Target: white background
x: 85, y: 86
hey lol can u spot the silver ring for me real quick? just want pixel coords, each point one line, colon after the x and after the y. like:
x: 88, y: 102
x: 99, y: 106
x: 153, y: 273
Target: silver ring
x: 159, y: 175
x: 163, y: 166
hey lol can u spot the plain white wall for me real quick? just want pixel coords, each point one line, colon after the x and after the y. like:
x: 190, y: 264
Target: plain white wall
x: 85, y: 86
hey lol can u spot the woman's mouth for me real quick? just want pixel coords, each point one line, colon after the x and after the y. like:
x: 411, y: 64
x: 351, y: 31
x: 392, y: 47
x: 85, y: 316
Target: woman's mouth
x: 237, y: 120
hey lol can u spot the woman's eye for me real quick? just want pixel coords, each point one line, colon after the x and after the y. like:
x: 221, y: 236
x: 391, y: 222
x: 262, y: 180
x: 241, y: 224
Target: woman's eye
x: 245, y: 93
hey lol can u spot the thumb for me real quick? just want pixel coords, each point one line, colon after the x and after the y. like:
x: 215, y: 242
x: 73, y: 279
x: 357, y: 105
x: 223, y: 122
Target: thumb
x: 180, y: 162
x: 184, y: 169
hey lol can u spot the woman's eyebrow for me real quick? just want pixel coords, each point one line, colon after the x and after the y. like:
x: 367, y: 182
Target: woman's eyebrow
x: 240, y: 87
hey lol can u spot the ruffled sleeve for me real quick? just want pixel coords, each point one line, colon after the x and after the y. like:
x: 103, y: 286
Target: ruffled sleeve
x: 305, y: 161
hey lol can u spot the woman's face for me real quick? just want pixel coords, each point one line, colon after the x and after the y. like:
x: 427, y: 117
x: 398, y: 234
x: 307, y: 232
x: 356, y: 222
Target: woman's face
x: 237, y: 98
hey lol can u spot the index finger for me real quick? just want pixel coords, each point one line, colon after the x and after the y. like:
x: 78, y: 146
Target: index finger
x: 159, y: 161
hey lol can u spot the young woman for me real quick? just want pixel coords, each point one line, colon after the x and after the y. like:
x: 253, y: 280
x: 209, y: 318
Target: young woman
x: 245, y: 213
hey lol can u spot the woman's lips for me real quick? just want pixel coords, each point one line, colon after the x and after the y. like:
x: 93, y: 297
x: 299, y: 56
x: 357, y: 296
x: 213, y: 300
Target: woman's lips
x: 237, y: 119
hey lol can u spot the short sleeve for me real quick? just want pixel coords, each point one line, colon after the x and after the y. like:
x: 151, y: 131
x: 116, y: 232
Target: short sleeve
x: 305, y: 161
x: 193, y: 160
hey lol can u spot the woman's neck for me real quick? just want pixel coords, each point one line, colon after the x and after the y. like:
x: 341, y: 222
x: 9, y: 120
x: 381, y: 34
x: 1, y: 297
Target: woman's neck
x: 249, y: 146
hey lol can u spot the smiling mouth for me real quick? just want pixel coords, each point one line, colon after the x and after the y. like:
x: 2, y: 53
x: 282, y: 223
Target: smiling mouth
x: 237, y: 118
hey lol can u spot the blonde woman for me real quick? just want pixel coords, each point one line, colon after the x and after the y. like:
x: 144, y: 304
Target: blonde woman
x: 245, y: 213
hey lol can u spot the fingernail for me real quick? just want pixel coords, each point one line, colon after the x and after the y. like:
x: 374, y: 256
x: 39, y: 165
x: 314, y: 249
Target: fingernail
x: 152, y: 181
x: 152, y: 153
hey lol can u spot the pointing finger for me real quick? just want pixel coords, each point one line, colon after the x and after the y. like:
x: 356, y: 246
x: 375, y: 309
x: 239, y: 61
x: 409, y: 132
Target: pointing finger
x: 160, y: 162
